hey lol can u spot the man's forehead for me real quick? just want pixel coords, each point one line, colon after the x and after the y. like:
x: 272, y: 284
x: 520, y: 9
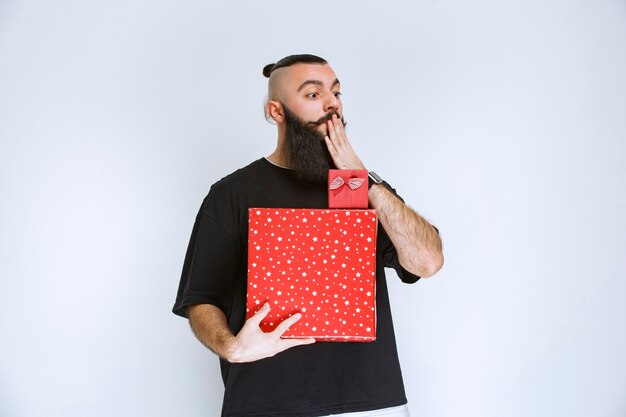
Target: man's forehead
x: 300, y: 75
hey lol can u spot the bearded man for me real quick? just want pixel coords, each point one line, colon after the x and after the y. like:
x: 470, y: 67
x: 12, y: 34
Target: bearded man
x: 263, y: 374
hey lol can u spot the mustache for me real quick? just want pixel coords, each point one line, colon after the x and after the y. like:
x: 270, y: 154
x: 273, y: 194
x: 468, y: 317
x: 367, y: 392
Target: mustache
x: 326, y: 118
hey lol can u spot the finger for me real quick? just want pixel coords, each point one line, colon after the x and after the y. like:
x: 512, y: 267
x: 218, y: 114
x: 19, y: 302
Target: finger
x: 285, y: 324
x: 338, y: 121
x: 339, y: 131
x: 260, y: 315
x: 334, y: 153
x: 284, y: 344
x: 332, y: 134
x: 331, y: 146
x: 289, y: 343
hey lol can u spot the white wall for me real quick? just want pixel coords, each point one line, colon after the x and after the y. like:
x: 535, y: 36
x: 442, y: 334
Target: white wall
x: 501, y: 122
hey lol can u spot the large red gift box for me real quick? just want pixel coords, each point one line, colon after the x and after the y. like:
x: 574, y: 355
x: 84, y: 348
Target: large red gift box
x: 317, y: 262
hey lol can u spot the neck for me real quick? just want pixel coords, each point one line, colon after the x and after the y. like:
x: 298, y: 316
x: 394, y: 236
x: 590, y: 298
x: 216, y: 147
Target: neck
x: 279, y: 156
x: 276, y: 158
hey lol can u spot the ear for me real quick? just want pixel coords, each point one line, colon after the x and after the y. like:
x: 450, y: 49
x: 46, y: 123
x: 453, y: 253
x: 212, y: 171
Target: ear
x: 274, y: 110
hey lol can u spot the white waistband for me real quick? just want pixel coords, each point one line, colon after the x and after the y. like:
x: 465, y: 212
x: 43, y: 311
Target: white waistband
x: 400, y: 411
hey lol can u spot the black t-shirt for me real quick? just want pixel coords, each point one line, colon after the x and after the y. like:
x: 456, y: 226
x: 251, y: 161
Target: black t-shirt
x: 305, y: 381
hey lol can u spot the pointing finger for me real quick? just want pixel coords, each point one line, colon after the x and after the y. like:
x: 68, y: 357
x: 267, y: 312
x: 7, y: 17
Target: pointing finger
x: 287, y: 323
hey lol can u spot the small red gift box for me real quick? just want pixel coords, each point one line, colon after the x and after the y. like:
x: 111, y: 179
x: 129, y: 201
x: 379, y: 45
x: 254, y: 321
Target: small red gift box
x: 317, y: 262
x: 347, y: 188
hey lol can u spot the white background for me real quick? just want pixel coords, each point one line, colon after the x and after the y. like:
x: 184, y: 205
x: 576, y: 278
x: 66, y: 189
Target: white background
x: 503, y: 123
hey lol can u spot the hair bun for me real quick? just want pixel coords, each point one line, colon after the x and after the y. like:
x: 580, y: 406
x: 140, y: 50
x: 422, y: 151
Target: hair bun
x: 267, y: 70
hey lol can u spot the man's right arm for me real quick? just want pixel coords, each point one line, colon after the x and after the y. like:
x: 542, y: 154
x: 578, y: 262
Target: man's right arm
x: 209, y: 325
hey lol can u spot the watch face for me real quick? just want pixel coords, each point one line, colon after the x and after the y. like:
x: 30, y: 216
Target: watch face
x: 375, y: 178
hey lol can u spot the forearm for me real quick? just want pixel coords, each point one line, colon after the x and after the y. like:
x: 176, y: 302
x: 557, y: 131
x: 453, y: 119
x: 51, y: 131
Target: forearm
x: 416, y: 241
x: 210, y: 327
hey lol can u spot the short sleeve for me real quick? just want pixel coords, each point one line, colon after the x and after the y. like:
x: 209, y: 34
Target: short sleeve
x: 390, y: 257
x: 210, y: 268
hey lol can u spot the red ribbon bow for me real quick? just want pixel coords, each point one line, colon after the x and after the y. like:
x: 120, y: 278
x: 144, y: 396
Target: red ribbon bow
x: 353, y: 183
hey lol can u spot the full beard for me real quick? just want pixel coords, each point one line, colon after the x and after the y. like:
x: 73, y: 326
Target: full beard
x: 306, y: 149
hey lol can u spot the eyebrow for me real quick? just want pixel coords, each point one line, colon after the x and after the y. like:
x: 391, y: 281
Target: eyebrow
x: 317, y: 82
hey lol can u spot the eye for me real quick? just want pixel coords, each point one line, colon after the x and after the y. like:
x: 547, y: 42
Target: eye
x: 312, y: 95
x: 337, y: 94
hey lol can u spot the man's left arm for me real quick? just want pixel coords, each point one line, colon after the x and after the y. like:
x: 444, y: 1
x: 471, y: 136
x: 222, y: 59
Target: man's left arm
x: 416, y: 241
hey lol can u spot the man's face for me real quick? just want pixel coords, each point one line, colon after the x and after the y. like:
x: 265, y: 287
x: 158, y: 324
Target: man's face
x: 312, y: 93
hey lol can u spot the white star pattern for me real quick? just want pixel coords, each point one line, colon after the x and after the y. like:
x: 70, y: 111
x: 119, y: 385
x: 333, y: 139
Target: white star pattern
x: 295, y: 276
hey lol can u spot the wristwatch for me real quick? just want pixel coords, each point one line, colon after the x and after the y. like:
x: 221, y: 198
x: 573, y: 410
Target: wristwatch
x: 373, y: 178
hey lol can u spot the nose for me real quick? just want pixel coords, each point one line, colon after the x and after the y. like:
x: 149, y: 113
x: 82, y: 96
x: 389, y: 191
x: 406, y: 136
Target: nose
x: 331, y: 103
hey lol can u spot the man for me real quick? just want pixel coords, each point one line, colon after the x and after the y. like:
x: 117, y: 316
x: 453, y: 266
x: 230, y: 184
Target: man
x: 263, y: 374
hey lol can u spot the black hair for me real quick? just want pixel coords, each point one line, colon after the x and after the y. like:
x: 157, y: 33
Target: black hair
x: 292, y: 60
